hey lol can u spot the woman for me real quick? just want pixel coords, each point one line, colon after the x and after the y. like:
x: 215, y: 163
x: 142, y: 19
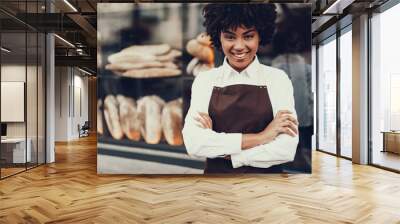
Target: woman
x: 241, y: 115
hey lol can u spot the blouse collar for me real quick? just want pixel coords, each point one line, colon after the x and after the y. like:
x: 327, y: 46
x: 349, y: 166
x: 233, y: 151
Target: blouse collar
x: 251, y: 70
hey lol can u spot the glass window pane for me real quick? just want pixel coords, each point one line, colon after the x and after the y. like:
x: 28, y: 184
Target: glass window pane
x: 13, y: 86
x: 31, y: 97
x: 327, y: 96
x: 346, y: 94
x: 41, y: 98
x: 385, y: 114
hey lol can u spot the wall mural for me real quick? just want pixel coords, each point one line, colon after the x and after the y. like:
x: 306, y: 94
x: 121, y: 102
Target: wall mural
x: 150, y: 54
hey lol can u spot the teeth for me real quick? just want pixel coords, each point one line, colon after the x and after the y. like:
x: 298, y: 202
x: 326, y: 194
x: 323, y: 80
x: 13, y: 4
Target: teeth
x: 240, y: 55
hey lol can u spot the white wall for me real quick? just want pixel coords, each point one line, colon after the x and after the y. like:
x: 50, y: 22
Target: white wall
x: 69, y: 82
x: 14, y: 73
x: 61, y: 103
x: 33, y: 126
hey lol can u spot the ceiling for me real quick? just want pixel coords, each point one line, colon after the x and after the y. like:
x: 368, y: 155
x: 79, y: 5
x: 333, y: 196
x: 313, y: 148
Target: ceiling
x: 76, y: 22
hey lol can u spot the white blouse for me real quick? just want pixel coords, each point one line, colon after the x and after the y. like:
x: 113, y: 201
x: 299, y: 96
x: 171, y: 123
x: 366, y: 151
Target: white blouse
x: 202, y: 142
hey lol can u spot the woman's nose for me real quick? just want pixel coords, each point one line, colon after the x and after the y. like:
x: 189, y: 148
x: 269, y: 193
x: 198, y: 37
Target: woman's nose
x: 239, y: 44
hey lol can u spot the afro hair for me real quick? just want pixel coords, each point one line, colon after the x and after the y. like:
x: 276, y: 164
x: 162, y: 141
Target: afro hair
x: 221, y: 17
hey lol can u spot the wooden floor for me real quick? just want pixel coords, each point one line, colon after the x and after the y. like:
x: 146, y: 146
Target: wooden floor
x: 5, y: 172
x: 70, y: 191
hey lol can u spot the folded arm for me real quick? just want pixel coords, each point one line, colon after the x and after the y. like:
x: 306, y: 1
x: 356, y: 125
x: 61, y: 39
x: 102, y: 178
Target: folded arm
x: 280, y: 149
x: 204, y: 142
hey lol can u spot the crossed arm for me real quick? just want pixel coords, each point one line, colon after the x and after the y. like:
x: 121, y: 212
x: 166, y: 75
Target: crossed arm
x: 276, y: 144
x: 283, y: 123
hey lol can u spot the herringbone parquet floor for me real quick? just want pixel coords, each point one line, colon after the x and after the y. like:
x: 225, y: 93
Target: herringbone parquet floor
x: 70, y: 191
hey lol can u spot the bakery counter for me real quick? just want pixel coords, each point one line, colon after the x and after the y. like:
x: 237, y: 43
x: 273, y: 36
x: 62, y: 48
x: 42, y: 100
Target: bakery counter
x: 128, y: 158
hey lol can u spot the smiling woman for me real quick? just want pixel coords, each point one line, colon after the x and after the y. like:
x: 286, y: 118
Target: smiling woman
x: 241, y: 115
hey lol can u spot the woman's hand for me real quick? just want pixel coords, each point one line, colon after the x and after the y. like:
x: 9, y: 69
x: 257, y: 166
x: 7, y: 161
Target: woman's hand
x: 204, y: 121
x: 283, y: 123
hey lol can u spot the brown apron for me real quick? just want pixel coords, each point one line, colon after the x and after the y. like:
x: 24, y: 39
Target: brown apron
x: 243, y: 109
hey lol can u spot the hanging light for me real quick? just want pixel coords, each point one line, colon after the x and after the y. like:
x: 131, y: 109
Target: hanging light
x: 5, y: 50
x: 64, y: 40
x: 70, y: 5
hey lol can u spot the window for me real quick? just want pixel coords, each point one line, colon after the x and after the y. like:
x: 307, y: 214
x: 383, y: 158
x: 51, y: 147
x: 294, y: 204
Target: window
x: 385, y: 89
x: 327, y: 96
x: 346, y: 94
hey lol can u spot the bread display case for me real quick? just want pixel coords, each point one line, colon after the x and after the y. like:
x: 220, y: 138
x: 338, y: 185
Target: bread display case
x: 144, y: 88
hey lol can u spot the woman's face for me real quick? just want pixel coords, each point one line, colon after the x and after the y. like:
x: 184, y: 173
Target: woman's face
x: 240, y: 46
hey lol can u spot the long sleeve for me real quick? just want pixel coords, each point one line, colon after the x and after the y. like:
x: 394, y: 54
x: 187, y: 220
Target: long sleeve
x: 283, y: 148
x: 201, y: 142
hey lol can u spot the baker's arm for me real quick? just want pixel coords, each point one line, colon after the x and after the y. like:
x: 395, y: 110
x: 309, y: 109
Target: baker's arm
x: 204, y: 142
x: 283, y: 148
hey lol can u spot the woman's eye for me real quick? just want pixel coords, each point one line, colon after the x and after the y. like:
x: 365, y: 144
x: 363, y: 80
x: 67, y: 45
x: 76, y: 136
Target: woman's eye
x: 229, y: 37
x: 248, y: 37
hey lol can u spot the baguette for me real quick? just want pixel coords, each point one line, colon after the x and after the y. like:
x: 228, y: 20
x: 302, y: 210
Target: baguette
x: 99, y: 117
x: 111, y: 116
x: 130, y: 123
x: 171, y: 119
x: 149, y: 109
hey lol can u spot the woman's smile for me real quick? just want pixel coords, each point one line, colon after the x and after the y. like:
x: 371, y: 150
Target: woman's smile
x: 240, y: 55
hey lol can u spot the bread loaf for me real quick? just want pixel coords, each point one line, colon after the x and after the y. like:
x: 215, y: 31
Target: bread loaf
x: 170, y: 56
x: 204, y: 53
x: 129, y: 119
x: 149, y: 108
x: 200, y: 67
x: 170, y: 64
x: 191, y: 65
x: 171, y: 119
x: 126, y: 65
x: 152, y: 72
x: 136, y: 57
x: 204, y: 39
x: 156, y: 49
x: 145, y: 61
x: 99, y: 117
x: 111, y: 116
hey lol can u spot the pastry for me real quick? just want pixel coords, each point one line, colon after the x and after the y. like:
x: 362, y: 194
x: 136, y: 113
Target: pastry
x: 111, y: 116
x: 152, y: 72
x: 123, y: 66
x: 204, y: 53
x: 131, y: 57
x: 204, y: 39
x: 126, y: 65
x: 157, y: 49
x: 149, y: 108
x: 145, y: 61
x: 170, y: 64
x: 200, y: 67
x: 170, y: 56
x: 191, y: 65
x: 99, y: 117
x: 171, y: 119
x: 130, y: 122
